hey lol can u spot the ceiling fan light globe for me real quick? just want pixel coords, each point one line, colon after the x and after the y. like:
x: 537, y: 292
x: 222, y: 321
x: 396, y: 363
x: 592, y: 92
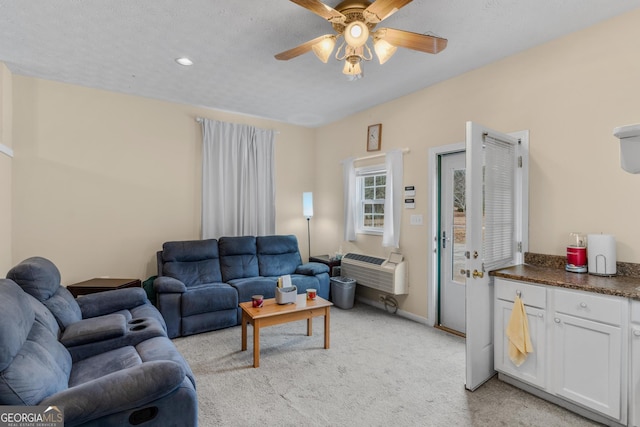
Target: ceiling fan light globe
x: 356, y: 34
x: 384, y: 50
x: 324, y: 48
x: 352, y: 68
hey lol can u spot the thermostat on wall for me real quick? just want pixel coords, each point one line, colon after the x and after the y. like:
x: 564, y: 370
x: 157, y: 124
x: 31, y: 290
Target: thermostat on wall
x: 409, y: 191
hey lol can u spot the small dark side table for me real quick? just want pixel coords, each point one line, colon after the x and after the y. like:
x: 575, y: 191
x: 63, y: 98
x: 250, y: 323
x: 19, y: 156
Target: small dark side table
x: 92, y: 286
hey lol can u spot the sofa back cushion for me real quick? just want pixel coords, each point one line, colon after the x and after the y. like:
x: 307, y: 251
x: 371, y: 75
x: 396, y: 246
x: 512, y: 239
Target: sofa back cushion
x: 193, y: 262
x: 33, y: 363
x: 37, y: 276
x: 40, y: 278
x: 278, y: 255
x: 238, y: 257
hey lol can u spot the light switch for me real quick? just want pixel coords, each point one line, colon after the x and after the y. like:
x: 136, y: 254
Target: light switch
x: 416, y: 219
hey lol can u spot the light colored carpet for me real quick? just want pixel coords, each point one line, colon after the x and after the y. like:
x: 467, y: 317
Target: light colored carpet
x: 381, y: 370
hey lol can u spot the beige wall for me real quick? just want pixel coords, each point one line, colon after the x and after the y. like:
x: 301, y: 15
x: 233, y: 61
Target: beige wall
x: 570, y: 94
x: 101, y: 179
x: 6, y: 139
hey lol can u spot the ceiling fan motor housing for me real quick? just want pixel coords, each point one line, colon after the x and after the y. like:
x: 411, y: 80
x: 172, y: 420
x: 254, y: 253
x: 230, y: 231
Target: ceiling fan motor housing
x: 352, y: 10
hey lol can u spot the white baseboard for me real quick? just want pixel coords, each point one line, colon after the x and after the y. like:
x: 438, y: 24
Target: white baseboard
x: 400, y: 312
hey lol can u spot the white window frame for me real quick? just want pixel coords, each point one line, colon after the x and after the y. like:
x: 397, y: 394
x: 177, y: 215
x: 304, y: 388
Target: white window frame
x: 361, y: 173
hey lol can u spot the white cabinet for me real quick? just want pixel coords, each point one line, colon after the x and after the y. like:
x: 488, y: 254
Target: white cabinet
x: 634, y: 397
x: 533, y: 370
x: 587, y: 351
x: 581, y: 347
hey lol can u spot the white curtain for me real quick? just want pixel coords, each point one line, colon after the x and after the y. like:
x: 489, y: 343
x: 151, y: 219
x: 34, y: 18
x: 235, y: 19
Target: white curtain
x: 393, y: 199
x: 238, y: 191
x: 350, y: 202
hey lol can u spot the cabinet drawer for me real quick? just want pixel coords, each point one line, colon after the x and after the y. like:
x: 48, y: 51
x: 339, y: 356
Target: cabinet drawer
x: 635, y: 311
x: 600, y: 308
x: 531, y: 295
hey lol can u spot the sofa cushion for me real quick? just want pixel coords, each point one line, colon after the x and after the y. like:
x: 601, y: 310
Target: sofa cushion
x: 278, y: 255
x: 192, y: 262
x: 103, y: 364
x: 44, y: 316
x: 33, y: 362
x: 238, y: 257
x: 15, y: 306
x: 37, y: 276
x: 64, y: 307
x: 248, y: 287
x: 303, y: 282
x: 208, y: 297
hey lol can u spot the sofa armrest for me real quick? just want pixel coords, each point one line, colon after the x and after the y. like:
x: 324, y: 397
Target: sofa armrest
x: 312, y: 268
x: 119, y: 391
x: 94, y: 329
x: 164, y: 284
x: 108, y: 302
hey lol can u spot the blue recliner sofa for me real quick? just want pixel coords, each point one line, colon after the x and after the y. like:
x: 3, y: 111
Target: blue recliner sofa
x: 93, y: 323
x: 146, y: 384
x: 201, y: 282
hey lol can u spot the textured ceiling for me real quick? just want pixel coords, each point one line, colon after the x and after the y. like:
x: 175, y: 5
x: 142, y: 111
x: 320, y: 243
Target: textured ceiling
x: 129, y: 46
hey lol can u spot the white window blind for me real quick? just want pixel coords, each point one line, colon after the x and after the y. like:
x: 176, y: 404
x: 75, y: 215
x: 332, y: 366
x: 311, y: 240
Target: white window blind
x: 499, y: 220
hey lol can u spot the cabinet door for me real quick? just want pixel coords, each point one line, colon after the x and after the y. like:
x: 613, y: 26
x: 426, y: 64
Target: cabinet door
x: 587, y: 363
x: 532, y: 370
x: 634, y: 401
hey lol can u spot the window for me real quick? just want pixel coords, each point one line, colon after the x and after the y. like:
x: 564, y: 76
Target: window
x: 371, y: 188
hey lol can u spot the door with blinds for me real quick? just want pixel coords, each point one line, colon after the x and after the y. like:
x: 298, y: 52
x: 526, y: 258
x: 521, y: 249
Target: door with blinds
x: 497, y: 217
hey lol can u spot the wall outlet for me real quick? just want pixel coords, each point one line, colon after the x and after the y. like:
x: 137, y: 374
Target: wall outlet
x: 416, y: 219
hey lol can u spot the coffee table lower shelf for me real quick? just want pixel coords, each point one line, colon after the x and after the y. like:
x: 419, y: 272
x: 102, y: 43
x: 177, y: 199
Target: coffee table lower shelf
x: 272, y: 313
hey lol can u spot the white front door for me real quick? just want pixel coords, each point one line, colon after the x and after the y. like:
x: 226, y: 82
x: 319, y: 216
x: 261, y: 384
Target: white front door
x: 452, y: 242
x: 496, y: 204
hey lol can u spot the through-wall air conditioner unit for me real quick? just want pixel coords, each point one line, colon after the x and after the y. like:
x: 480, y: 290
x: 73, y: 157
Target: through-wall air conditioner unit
x: 387, y: 275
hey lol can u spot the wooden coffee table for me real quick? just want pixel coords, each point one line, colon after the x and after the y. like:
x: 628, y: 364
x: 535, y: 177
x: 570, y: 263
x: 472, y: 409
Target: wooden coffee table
x: 272, y: 313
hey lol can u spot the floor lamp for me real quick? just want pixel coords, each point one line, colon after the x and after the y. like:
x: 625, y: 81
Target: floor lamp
x: 307, y: 212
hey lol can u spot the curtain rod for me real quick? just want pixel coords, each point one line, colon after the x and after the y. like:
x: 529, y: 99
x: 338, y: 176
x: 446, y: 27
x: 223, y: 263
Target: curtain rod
x: 200, y: 120
x: 374, y: 156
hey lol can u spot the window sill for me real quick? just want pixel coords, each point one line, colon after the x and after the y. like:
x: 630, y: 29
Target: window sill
x: 370, y: 232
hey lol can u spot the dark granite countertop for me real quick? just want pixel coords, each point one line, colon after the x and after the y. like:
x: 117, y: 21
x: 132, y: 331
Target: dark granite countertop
x: 622, y: 286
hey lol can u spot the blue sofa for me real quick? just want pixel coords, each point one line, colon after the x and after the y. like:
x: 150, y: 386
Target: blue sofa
x: 94, y: 323
x: 148, y: 383
x: 201, y: 282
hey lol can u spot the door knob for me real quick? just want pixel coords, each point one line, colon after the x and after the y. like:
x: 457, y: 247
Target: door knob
x: 477, y: 274
x: 636, y: 332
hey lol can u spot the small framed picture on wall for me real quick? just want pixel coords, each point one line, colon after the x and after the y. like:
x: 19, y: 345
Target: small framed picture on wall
x: 374, y: 137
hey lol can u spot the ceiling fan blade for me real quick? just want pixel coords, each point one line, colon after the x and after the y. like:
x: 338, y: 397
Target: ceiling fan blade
x: 409, y: 40
x: 382, y: 9
x: 299, y: 50
x: 321, y: 9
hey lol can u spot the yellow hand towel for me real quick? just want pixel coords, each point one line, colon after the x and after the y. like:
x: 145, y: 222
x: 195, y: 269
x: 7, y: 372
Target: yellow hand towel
x: 518, y: 334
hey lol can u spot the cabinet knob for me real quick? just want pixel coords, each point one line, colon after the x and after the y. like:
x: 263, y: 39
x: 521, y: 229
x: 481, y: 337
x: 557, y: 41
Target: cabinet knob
x: 540, y: 315
x: 583, y: 304
x: 556, y: 320
x: 636, y: 332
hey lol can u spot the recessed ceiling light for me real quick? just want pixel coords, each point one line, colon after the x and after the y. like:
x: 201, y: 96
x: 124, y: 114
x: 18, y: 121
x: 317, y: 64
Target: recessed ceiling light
x: 184, y: 61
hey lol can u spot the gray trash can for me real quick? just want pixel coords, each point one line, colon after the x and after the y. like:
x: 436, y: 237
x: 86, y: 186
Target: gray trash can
x: 343, y: 291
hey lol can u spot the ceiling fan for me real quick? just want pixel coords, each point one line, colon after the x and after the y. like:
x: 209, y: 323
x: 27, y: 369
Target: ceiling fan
x: 355, y: 21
